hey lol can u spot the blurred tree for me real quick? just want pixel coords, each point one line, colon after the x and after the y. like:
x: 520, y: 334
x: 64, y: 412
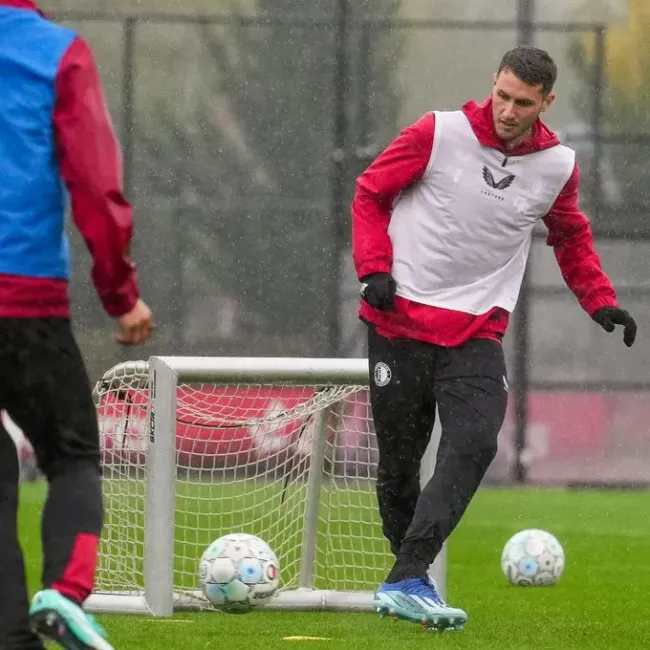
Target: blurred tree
x: 235, y: 145
x: 626, y: 120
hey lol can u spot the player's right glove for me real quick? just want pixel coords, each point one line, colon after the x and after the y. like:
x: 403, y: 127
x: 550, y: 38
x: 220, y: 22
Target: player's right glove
x: 378, y: 290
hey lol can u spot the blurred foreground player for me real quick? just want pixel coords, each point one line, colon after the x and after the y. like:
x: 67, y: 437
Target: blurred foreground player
x: 55, y: 131
x: 442, y: 226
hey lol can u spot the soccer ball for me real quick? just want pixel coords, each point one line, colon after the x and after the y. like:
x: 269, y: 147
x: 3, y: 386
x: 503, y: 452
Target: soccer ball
x: 239, y: 573
x: 533, y: 558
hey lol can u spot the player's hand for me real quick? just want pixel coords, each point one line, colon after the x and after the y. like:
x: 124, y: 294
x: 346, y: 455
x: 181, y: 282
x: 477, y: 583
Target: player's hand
x: 609, y: 317
x: 378, y: 290
x: 135, y: 326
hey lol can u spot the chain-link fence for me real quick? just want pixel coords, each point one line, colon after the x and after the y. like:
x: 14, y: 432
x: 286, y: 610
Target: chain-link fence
x: 242, y: 139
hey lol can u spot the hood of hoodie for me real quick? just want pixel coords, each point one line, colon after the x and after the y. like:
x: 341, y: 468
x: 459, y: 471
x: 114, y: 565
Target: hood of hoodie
x: 482, y: 123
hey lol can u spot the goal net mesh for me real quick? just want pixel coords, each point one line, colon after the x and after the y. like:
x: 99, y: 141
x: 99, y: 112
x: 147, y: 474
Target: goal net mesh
x: 242, y: 461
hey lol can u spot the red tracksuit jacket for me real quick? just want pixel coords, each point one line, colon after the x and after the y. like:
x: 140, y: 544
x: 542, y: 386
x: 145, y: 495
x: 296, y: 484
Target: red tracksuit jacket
x: 400, y: 166
x: 90, y: 166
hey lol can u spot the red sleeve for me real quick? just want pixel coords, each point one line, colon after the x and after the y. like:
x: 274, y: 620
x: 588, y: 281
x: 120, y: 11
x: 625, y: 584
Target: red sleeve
x: 91, y: 166
x: 569, y: 233
x: 400, y: 165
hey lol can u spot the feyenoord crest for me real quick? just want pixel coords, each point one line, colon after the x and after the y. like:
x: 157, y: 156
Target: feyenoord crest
x: 382, y: 374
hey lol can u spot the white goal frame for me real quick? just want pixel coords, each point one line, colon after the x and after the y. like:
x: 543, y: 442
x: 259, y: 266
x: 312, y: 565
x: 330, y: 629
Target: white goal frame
x: 166, y: 373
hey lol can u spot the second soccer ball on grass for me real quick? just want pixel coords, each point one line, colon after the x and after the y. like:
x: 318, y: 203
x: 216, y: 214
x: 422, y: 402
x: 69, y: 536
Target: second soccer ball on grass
x: 533, y: 558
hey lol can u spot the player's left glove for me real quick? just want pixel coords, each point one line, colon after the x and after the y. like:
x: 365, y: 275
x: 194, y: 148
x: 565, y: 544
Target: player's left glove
x: 609, y: 317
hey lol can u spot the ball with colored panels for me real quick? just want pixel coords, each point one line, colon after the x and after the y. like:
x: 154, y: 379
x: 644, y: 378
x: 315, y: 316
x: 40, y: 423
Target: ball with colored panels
x: 533, y: 558
x: 239, y: 573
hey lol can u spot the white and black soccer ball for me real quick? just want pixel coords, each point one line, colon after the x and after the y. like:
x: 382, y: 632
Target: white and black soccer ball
x: 533, y: 558
x: 239, y: 573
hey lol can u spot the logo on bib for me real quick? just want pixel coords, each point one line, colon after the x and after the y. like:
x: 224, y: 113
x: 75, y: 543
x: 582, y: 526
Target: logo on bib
x: 503, y: 184
x: 382, y: 374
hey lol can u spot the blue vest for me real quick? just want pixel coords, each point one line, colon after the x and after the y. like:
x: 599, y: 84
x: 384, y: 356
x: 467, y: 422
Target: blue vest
x: 32, y: 197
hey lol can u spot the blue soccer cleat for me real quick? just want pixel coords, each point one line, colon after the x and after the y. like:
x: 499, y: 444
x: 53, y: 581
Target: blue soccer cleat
x: 417, y: 600
x: 58, y: 619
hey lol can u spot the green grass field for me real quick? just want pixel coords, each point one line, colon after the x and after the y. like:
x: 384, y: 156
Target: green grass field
x: 601, y: 601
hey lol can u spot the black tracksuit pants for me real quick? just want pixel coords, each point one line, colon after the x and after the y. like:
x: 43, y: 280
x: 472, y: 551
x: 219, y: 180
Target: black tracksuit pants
x: 408, y: 379
x: 45, y: 389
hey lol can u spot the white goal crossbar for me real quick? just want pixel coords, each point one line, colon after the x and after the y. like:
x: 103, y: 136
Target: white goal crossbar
x: 162, y: 377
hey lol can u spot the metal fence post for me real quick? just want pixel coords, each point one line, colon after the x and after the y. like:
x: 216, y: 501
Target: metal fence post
x: 338, y: 175
x: 128, y: 100
x: 597, y: 118
x: 521, y: 374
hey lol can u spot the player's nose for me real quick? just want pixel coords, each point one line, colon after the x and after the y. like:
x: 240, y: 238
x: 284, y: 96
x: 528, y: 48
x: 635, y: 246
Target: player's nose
x: 508, y: 111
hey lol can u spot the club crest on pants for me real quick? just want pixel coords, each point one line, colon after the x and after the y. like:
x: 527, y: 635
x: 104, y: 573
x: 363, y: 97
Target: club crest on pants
x: 382, y: 374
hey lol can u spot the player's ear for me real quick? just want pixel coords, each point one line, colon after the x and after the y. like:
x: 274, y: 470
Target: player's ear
x: 546, y: 104
x: 494, y: 79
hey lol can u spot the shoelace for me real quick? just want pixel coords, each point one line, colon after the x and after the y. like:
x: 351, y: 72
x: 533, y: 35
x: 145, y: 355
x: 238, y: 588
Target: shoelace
x: 427, y: 589
x: 434, y: 586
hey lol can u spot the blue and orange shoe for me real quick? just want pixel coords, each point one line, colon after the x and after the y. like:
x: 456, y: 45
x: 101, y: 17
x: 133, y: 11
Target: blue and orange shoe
x: 55, y: 618
x: 417, y: 600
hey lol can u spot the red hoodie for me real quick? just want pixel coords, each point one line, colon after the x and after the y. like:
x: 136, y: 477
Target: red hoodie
x: 90, y: 164
x: 403, y: 164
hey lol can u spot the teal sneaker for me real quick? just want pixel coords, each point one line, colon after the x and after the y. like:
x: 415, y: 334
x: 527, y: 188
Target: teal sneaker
x: 417, y: 600
x: 58, y: 619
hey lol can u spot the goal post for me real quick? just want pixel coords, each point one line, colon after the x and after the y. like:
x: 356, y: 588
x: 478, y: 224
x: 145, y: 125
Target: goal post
x: 197, y: 447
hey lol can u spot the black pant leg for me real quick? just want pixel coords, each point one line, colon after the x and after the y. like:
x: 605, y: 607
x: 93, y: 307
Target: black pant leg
x: 49, y: 397
x: 403, y: 412
x: 15, y: 633
x: 471, y: 393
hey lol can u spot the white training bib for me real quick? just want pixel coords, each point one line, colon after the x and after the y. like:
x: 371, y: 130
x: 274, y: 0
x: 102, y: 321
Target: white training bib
x: 462, y: 234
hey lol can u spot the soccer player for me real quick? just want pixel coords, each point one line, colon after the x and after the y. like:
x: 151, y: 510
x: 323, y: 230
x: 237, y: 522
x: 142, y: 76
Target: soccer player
x: 442, y: 226
x: 55, y: 132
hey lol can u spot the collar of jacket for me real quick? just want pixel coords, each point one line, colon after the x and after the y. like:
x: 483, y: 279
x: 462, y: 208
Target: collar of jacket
x: 482, y: 123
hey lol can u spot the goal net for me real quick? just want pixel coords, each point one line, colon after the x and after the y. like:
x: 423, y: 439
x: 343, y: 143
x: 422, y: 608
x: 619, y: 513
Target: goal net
x: 195, y: 448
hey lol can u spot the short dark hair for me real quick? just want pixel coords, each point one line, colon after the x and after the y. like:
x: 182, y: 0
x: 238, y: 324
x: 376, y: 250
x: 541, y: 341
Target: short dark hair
x: 531, y: 65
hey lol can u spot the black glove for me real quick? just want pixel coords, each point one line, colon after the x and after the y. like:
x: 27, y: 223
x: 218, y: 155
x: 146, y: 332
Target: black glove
x: 378, y: 290
x: 609, y: 317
